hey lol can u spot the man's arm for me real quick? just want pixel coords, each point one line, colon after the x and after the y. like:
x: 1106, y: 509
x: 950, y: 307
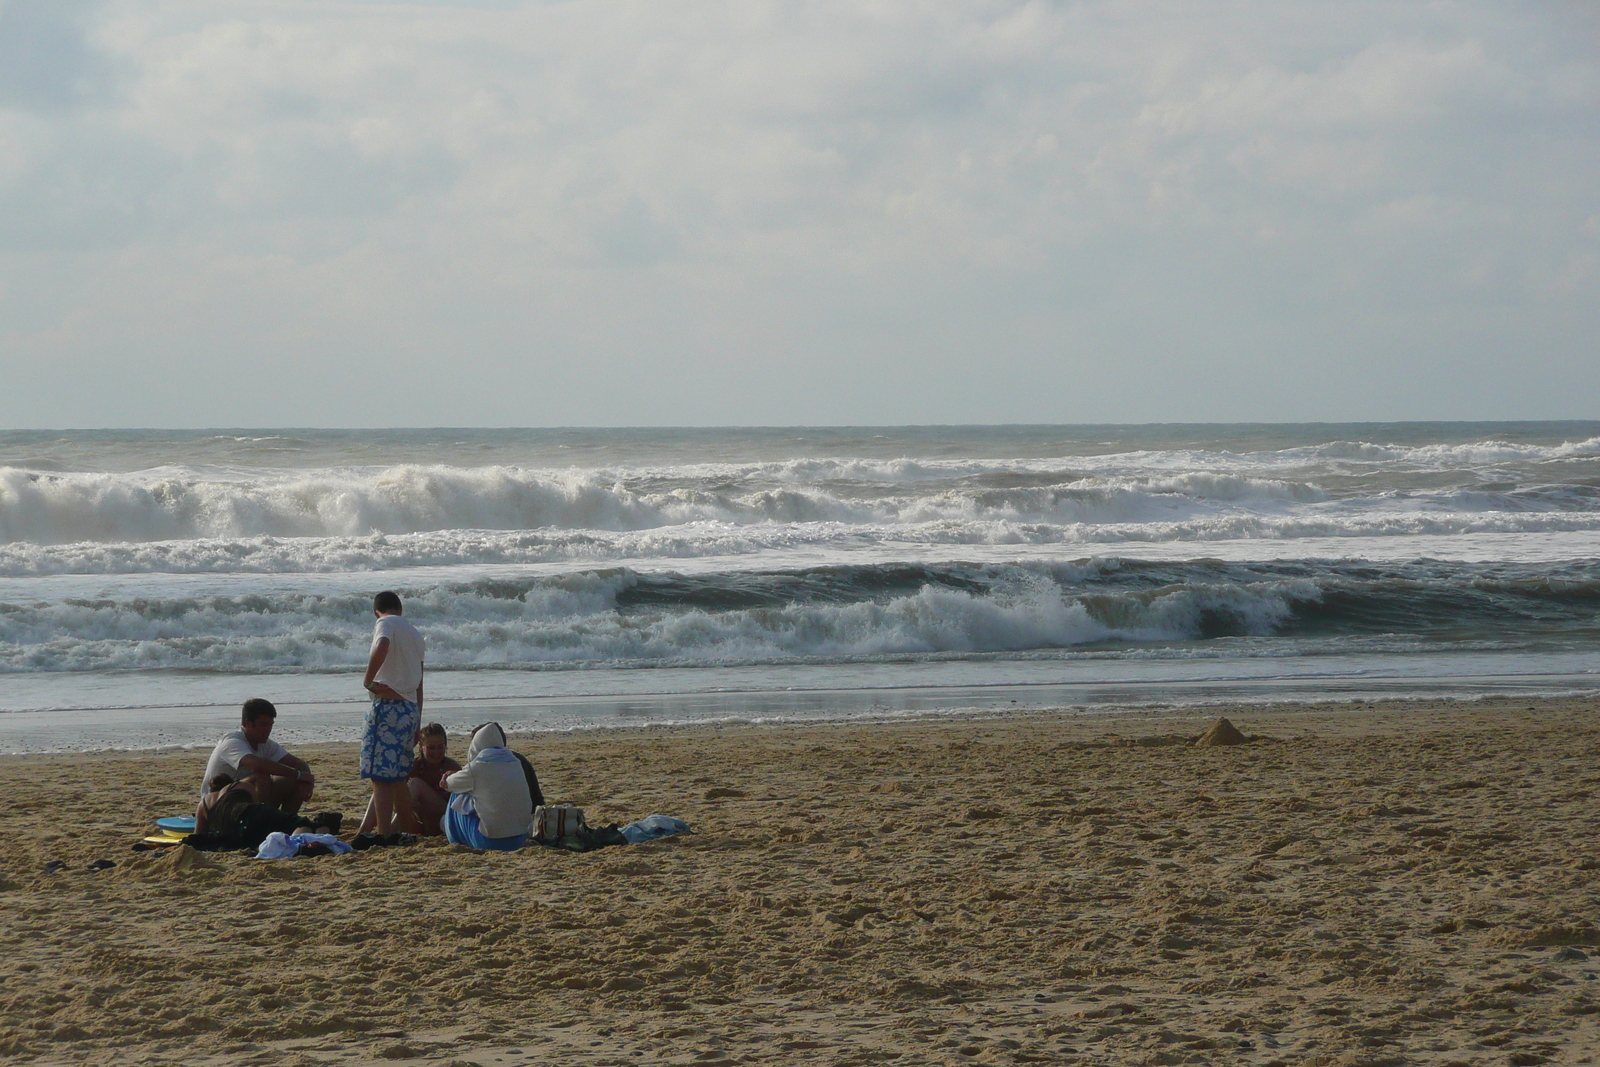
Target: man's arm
x: 380, y: 652
x: 288, y: 767
x: 300, y: 765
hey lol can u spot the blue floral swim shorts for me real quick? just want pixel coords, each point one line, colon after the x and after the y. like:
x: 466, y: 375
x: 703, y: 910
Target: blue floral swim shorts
x: 386, y: 743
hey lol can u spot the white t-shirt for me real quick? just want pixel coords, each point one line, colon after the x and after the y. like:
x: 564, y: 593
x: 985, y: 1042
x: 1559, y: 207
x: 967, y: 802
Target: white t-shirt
x: 233, y: 748
x: 402, y: 667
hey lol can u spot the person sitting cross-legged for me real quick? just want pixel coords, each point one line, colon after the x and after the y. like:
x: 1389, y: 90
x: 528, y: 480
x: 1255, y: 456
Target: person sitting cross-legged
x: 250, y: 757
x: 491, y: 805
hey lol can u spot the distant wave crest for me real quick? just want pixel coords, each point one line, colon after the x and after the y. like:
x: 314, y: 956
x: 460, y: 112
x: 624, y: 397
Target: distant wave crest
x: 215, y: 519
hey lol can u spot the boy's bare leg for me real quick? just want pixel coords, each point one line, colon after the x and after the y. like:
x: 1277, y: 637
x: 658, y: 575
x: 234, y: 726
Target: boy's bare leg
x: 405, y: 822
x: 382, y: 807
x: 393, y: 803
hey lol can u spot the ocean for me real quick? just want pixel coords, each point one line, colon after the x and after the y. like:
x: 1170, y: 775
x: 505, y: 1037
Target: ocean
x: 572, y: 578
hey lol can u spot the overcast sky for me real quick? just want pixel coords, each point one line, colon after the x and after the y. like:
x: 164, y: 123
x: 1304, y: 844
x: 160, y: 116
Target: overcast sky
x: 747, y: 212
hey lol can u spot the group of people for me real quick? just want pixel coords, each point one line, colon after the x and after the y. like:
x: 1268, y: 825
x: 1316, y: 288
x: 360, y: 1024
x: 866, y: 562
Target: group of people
x: 253, y: 786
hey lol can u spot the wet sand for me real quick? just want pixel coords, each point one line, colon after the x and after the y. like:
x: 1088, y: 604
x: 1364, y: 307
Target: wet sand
x: 1409, y: 882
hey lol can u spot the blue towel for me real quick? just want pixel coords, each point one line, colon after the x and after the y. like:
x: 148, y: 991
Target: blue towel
x: 653, y: 826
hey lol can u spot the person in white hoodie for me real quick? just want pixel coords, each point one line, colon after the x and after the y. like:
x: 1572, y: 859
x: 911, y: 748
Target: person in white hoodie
x: 490, y: 804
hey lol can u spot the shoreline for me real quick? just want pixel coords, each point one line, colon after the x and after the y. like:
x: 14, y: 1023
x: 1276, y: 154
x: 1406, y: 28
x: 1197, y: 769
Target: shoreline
x: 1406, y: 881
x: 179, y: 727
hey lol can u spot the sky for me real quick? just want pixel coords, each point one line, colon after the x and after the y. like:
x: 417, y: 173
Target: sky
x: 737, y: 212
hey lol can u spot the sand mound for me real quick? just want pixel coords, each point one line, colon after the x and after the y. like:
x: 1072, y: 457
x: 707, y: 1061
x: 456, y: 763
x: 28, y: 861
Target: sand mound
x: 1548, y: 936
x: 183, y: 860
x: 1222, y: 732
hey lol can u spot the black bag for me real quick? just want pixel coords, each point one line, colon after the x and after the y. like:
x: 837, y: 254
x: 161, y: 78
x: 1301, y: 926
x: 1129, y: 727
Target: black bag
x: 589, y: 838
x: 533, y: 779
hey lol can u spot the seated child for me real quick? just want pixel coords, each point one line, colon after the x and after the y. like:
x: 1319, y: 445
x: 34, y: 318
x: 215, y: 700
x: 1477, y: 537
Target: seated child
x: 230, y: 817
x: 427, y: 772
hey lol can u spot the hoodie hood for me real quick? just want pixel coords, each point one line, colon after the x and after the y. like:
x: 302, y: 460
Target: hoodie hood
x: 487, y: 736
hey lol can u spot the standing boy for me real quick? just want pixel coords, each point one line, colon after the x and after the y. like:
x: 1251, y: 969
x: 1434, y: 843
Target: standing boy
x: 394, y: 679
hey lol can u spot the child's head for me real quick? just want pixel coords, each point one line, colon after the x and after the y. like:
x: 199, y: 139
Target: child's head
x: 433, y: 742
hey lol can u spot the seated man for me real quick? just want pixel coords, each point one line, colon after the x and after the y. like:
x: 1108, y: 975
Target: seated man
x: 250, y: 756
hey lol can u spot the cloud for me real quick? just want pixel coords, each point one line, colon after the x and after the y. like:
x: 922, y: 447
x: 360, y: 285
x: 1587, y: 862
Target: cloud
x: 622, y: 211
x: 46, y: 63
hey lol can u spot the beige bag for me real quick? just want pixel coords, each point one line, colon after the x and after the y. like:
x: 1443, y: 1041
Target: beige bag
x: 555, y: 823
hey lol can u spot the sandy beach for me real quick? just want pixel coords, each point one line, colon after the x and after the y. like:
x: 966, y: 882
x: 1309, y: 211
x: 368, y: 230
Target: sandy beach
x: 1408, y: 882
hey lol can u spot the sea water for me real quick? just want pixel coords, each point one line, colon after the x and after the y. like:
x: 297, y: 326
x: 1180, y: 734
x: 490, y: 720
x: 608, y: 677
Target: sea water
x: 152, y: 580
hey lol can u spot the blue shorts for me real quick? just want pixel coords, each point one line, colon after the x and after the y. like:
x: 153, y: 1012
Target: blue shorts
x: 463, y: 828
x: 386, y: 751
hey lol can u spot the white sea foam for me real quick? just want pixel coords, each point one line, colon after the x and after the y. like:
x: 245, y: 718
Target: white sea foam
x: 216, y: 518
x: 709, y: 540
x: 1340, y: 455
x: 167, y: 505
x: 1451, y: 455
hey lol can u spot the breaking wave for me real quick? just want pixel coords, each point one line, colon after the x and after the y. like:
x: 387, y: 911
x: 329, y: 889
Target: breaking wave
x: 622, y: 617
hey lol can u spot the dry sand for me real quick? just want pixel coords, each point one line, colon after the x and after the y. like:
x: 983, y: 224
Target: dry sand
x: 1395, y: 883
